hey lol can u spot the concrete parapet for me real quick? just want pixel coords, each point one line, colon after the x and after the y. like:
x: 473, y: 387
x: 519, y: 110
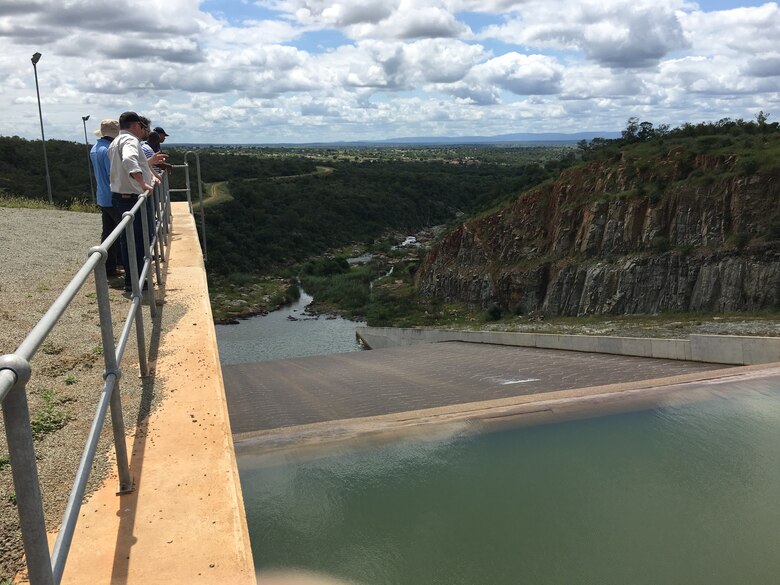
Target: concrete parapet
x: 719, y: 349
x: 733, y: 349
x: 184, y: 521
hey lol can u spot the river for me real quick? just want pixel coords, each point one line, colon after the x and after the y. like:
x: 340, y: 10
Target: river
x: 287, y: 333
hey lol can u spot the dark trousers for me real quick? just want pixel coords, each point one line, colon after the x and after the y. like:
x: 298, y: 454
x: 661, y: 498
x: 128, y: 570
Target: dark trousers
x: 114, y: 258
x: 121, y: 204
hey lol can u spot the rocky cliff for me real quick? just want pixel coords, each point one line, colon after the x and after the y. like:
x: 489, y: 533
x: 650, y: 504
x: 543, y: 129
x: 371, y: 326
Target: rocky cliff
x: 685, y: 233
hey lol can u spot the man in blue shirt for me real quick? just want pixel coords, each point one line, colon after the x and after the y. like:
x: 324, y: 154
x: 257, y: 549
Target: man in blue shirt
x: 109, y: 129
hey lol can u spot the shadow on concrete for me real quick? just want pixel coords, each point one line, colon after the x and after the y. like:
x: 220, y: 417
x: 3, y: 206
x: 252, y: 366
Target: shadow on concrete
x: 128, y: 503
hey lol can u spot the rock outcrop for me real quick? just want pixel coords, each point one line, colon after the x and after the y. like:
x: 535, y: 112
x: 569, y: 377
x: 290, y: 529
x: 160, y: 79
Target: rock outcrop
x: 686, y: 233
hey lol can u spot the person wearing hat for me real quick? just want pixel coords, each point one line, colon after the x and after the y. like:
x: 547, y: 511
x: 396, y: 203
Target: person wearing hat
x: 101, y: 167
x: 162, y: 134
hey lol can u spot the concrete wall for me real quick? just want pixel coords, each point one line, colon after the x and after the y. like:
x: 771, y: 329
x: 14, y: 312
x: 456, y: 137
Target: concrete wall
x: 719, y: 349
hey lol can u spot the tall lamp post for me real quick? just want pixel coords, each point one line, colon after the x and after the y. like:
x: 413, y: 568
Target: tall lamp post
x: 89, y: 162
x: 35, y: 58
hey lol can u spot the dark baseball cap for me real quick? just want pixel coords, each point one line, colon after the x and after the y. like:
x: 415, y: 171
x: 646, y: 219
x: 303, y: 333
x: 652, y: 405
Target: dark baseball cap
x: 127, y: 118
x: 161, y: 132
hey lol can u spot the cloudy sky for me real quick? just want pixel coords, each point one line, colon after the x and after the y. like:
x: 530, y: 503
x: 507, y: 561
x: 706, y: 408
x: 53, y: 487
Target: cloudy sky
x: 265, y: 71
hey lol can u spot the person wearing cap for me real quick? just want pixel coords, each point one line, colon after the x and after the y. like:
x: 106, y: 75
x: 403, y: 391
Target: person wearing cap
x: 162, y: 134
x: 130, y: 177
x: 101, y: 167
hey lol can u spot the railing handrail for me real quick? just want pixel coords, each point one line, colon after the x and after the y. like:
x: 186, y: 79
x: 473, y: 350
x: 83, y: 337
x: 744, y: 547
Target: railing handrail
x: 15, y: 371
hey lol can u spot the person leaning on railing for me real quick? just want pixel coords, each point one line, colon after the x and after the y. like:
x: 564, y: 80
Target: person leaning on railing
x: 130, y: 176
x: 101, y: 166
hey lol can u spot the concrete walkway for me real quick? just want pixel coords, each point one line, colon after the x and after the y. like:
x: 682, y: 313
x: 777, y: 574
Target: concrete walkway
x: 184, y: 523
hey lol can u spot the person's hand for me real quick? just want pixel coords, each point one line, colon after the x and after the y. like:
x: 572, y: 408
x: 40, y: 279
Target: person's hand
x: 157, y: 158
x: 156, y: 180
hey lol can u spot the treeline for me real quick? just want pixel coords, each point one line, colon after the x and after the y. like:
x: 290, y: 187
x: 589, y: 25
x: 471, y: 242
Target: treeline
x: 23, y: 173
x: 727, y: 133
x: 273, y: 223
x: 224, y: 165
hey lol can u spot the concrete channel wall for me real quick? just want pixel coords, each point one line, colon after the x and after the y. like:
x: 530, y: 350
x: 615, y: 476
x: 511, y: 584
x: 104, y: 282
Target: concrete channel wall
x: 718, y: 349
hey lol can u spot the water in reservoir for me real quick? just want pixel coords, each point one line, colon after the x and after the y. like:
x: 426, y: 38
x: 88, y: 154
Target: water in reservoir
x: 275, y: 336
x: 685, y: 494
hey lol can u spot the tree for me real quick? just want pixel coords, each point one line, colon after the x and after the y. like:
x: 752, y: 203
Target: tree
x: 631, y: 130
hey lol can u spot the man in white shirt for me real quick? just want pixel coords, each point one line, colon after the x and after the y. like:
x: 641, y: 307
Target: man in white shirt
x: 130, y: 177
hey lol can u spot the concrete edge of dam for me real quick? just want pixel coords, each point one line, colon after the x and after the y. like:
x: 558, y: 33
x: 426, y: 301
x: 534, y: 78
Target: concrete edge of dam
x: 185, y: 521
x: 716, y: 349
x: 522, y: 410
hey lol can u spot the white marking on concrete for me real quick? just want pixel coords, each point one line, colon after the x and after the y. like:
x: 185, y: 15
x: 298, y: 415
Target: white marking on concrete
x: 505, y: 381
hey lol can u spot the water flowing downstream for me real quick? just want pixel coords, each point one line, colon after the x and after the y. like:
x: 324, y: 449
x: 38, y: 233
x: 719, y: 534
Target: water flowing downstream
x: 286, y: 333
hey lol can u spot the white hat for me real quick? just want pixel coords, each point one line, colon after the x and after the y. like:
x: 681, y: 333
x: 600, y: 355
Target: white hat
x: 108, y: 128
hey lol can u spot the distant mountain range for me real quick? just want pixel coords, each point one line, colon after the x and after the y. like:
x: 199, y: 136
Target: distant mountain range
x: 545, y: 137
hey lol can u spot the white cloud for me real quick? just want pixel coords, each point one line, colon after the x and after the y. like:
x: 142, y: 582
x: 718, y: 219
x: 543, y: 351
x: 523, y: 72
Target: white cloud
x: 519, y: 74
x: 412, y: 22
x: 333, y: 14
x: 613, y: 33
x: 741, y: 31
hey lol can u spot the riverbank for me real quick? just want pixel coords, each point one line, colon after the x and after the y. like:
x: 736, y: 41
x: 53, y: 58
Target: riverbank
x: 241, y: 296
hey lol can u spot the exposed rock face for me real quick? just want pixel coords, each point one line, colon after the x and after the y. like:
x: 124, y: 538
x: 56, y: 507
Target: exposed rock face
x: 606, y: 239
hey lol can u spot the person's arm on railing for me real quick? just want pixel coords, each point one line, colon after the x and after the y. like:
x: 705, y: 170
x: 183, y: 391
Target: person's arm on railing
x: 139, y: 178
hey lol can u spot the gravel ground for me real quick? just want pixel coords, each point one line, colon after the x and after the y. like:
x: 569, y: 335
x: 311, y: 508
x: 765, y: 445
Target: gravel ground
x: 40, y: 252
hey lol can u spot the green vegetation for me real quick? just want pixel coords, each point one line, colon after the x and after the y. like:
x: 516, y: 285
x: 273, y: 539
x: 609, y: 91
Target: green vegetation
x: 270, y: 210
x: 381, y: 292
x: 240, y: 294
x: 5, y: 461
x: 22, y: 173
x: 270, y: 224
x: 51, y: 417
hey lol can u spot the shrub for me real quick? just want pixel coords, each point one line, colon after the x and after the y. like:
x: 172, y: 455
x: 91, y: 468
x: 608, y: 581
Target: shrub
x: 748, y: 166
x: 740, y: 239
x: 493, y: 313
x: 660, y: 244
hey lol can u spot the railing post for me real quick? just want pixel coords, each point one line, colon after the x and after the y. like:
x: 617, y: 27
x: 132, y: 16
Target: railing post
x: 112, y: 369
x: 21, y: 450
x: 189, y: 189
x: 144, y: 211
x: 164, y: 216
x: 156, y: 231
x: 136, y: 292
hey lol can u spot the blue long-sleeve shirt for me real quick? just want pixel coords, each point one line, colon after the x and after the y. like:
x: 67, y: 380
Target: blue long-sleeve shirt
x: 101, y: 165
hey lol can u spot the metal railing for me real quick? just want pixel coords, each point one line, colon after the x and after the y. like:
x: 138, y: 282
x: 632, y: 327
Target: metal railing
x: 188, y: 190
x: 15, y: 372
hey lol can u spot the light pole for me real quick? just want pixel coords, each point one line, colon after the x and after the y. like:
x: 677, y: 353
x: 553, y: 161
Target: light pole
x: 89, y: 162
x: 35, y: 58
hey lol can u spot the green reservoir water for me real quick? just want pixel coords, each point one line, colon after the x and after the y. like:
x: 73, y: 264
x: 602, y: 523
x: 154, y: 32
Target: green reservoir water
x: 684, y: 494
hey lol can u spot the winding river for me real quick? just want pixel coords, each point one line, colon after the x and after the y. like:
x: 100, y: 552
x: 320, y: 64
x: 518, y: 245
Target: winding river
x: 287, y: 333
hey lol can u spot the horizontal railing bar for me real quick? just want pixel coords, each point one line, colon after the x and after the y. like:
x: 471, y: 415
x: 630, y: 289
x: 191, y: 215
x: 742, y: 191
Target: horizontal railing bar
x: 69, y: 518
x: 178, y: 190
x: 114, y: 235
